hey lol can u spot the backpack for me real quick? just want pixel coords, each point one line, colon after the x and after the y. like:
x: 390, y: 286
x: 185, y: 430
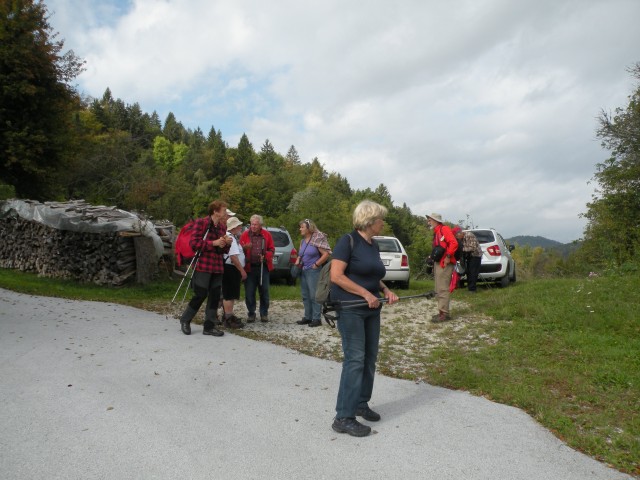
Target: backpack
x: 324, y: 282
x: 182, y: 249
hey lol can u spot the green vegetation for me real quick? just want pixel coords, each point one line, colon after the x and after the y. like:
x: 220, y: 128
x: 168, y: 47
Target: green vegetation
x: 563, y: 350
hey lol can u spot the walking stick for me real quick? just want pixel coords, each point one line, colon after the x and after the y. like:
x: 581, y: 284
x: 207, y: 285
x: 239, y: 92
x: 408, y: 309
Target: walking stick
x: 262, y: 261
x: 193, y: 263
x: 345, y: 304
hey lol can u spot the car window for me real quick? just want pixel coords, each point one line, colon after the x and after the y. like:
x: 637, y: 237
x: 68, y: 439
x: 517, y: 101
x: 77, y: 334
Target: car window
x: 387, y: 244
x: 280, y: 239
x: 484, y: 236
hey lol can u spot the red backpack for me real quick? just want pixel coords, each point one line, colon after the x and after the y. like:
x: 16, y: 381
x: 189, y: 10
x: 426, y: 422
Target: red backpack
x: 183, y: 250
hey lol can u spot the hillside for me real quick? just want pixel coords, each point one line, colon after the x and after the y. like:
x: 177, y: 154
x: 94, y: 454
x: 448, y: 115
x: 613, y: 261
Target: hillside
x: 564, y: 249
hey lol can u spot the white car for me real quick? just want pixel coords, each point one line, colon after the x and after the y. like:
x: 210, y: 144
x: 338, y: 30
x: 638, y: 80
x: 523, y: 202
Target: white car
x: 497, y: 264
x: 395, y: 260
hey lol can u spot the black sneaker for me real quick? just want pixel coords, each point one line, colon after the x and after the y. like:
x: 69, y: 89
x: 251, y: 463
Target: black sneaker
x: 315, y: 323
x: 304, y: 321
x: 251, y: 318
x: 264, y: 318
x: 350, y: 426
x: 368, y: 414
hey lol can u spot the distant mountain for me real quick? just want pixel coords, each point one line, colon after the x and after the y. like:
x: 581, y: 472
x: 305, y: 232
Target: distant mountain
x: 564, y: 249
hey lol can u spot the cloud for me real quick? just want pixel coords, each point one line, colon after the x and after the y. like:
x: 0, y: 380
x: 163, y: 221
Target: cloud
x: 472, y: 107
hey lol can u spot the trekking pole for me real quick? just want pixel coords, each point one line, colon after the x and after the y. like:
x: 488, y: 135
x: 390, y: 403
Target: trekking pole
x: 193, y: 263
x: 344, y: 304
x: 262, y: 261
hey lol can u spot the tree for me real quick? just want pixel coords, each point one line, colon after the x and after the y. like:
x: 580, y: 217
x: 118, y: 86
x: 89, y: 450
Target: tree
x: 36, y: 100
x: 613, y: 228
x: 245, y: 156
x: 292, y: 156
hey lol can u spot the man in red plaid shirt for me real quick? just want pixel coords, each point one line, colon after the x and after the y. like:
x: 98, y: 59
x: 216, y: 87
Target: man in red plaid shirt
x: 210, y: 242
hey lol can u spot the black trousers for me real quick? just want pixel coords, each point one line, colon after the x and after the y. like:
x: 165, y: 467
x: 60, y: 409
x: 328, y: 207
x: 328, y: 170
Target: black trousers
x: 473, y: 269
x: 206, y: 286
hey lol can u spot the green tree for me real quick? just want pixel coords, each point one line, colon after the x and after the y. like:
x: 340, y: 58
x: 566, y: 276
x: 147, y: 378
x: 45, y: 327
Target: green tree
x: 292, y: 156
x: 245, y: 156
x: 613, y: 228
x: 36, y: 100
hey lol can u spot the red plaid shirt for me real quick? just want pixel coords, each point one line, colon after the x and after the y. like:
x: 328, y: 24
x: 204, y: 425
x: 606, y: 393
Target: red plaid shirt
x: 211, y: 258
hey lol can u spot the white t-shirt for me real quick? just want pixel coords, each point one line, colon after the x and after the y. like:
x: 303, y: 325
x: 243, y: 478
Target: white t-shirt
x: 235, y: 249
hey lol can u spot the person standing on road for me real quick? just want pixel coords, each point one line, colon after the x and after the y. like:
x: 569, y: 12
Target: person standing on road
x: 314, y: 252
x: 443, y: 268
x: 210, y: 241
x: 234, y: 274
x: 258, y: 247
x: 471, y: 255
x: 356, y: 274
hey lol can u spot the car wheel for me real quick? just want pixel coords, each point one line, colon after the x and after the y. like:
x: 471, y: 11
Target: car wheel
x: 504, y: 281
x: 513, y: 277
x: 404, y: 285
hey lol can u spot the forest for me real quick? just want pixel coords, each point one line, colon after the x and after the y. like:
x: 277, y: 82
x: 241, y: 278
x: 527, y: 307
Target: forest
x: 58, y: 144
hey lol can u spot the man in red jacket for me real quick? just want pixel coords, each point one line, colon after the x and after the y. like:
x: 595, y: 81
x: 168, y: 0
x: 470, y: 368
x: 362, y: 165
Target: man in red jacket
x: 258, y: 247
x: 443, y: 269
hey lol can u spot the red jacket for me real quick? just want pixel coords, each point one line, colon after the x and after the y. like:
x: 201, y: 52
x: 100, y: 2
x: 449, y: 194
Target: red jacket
x: 442, y: 235
x: 269, y: 247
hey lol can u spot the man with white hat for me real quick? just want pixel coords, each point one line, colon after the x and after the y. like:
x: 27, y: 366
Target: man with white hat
x: 234, y: 274
x: 446, y: 243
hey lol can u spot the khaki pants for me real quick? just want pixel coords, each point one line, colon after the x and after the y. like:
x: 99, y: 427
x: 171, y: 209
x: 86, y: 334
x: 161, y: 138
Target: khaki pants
x: 442, y: 277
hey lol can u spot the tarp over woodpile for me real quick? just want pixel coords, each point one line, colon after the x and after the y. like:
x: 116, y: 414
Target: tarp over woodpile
x: 80, y: 216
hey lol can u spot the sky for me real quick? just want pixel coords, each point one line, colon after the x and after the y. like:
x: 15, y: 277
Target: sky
x: 484, y: 111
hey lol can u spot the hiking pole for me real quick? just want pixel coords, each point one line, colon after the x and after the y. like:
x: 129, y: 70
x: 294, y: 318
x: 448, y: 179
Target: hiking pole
x: 344, y: 304
x: 262, y: 262
x: 194, y: 262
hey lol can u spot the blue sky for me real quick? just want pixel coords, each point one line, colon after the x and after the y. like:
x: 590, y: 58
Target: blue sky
x: 470, y: 108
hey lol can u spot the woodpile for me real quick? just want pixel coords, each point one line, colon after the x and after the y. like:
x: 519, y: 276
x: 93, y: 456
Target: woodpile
x: 104, y: 257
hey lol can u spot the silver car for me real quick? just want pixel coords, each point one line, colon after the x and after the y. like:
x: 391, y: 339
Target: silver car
x: 497, y: 264
x: 395, y: 260
x: 285, y: 255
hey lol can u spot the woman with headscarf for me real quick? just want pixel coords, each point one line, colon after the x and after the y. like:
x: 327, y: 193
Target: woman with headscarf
x: 314, y: 252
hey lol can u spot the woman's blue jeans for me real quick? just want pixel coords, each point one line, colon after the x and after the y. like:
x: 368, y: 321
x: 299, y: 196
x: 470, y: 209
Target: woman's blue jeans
x: 360, y: 332
x: 309, y: 282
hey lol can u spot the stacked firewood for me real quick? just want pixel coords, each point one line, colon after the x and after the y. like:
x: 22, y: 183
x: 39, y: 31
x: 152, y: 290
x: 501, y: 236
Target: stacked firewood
x: 107, y: 258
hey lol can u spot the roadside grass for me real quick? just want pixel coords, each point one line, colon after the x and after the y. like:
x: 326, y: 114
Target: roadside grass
x: 567, y: 351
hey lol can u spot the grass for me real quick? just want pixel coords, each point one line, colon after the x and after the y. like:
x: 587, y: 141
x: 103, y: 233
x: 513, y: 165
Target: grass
x: 567, y: 351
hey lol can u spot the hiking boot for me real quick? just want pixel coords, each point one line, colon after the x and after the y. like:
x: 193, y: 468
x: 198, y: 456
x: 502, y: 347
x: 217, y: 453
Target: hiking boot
x: 350, y: 426
x: 210, y: 329
x: 185, y: 320
x: 213, y: 331
x: 304, y: 321
x: 368, y: 414
x: 233, y: 322
x: 251, y: 318
x: 441, y: 317
x: 264, y: 318
x: 315, y: 323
